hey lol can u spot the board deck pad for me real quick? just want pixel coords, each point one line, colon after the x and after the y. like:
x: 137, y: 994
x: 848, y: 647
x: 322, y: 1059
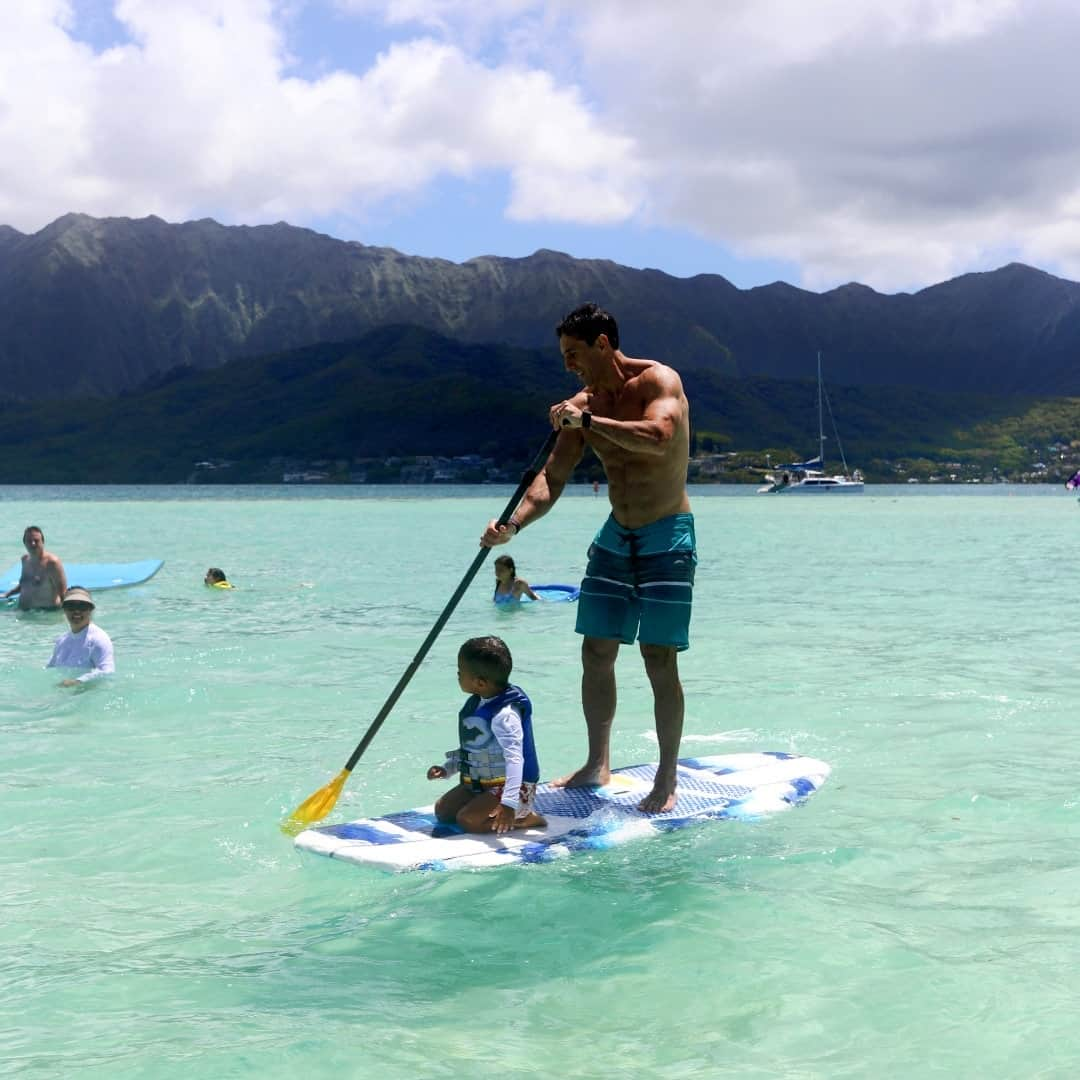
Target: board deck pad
x: 95, y: 576
x: 728, y: 786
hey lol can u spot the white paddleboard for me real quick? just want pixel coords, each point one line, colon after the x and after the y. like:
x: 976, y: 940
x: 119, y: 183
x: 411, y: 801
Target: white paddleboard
x: 578, y: 819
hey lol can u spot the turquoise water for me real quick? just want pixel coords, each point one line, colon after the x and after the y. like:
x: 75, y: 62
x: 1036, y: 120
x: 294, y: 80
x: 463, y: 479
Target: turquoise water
x: 917, y: 917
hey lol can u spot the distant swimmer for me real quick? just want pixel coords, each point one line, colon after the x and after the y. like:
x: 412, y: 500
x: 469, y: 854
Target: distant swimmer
x: 215, y: 579
x: 509, y: 588
x: 84, y: 645
x: 42, y: 583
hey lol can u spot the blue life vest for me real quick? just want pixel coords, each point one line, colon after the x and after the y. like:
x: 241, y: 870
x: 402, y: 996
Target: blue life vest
x: 482, y: 760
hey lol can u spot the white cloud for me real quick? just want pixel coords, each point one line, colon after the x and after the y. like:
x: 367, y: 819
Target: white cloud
x: 895, y: 142
x: 197, y: 114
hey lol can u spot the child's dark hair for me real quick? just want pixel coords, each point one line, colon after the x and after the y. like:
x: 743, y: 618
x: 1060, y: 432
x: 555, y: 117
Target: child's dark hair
x: 215, y: 573
x: 587, y: 323
x: 488, y: 658
x: 505, y: 560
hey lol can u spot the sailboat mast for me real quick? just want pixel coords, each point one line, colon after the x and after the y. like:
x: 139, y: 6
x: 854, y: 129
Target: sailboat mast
x: 820, y: 417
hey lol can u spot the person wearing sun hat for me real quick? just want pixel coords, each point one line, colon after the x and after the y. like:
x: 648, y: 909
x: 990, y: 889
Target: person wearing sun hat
x: 85, y: 645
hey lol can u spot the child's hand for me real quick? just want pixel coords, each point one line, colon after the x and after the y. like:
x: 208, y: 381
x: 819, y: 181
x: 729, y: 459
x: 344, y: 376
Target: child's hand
x: 436, y: 772
x: 503, y: 818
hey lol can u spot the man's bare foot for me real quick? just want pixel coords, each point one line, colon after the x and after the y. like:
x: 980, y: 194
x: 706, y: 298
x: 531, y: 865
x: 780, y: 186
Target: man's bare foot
x: 586, y: 776
x: 531, y: 820
x: 661, y: 799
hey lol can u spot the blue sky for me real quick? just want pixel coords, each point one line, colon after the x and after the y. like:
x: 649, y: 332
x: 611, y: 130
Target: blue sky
x: 897, y: 144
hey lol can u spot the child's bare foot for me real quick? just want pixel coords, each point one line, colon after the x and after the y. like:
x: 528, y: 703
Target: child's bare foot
x: 532, y: 820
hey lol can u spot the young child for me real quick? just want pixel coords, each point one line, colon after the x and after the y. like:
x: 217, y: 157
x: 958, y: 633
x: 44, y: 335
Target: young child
x: 496, y: 757
x: 84, y: 645
x: 215, y: 578
x: 509, y: 588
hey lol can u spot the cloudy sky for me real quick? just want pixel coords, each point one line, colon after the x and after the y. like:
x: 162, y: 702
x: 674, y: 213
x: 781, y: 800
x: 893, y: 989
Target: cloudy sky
x: 892, y: 142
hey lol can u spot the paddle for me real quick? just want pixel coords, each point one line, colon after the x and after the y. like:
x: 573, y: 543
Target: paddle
x: 316, y: 807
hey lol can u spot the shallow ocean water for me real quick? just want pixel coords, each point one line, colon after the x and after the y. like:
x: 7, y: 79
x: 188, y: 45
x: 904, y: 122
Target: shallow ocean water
x: 918, y: 916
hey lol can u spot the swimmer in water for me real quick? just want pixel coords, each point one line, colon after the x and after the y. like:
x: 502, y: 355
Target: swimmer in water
x: 42, y: 583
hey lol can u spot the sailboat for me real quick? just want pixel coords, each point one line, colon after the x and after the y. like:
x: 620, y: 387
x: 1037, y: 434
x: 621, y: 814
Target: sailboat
x: 809, y: 477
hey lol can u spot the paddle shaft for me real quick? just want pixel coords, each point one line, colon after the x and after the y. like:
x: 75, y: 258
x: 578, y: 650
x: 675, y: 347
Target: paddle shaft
x: 528, y: 477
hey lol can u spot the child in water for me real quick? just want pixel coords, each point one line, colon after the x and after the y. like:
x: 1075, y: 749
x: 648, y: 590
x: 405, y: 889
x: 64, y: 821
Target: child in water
x: 496, y: 757
x: 215, y: 579
x: 509, y: 588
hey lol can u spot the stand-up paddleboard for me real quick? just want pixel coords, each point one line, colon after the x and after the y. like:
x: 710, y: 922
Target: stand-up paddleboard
x: 95, y: 576
x: 578, y: 819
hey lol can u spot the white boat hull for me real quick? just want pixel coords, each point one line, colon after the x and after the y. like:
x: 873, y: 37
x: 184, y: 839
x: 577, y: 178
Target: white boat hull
x: 816, y: 485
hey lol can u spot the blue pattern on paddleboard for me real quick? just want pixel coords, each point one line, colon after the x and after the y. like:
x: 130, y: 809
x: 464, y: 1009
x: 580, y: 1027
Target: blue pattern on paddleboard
x: 733, y: 786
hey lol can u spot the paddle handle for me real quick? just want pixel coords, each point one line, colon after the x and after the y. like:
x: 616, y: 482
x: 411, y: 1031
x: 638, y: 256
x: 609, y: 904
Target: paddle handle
x: 527, y: 478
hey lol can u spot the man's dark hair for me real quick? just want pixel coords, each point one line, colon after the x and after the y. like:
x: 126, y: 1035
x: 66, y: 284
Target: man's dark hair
x: 487, y: 657
x: 587, y: 323
x: 32, y: 528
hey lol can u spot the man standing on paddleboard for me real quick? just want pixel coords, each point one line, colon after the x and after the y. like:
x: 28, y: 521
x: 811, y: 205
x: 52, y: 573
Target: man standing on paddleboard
x: 639, y: 580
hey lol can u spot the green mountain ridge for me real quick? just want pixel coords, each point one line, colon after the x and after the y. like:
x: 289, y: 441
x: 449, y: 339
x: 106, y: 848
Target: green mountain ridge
x: 94, y: 307
x: 406, y: 391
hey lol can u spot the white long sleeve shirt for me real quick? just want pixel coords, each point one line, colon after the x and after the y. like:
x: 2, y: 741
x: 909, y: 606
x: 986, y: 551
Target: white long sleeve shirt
x: 90, y: 648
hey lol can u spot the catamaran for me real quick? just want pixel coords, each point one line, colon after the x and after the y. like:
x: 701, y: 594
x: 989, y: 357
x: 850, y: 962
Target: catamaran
x: 809, y: 477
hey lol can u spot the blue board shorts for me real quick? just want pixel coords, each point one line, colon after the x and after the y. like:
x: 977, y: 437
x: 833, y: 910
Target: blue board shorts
x: 639, y: 583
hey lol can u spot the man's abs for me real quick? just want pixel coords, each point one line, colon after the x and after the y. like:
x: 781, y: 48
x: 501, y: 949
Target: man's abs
x: 642, y: 490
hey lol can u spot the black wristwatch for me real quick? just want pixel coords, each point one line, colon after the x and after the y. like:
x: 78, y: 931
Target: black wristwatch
x: 586, y: 418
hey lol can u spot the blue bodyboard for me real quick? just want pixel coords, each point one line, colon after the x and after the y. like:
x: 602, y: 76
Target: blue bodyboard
x: 95, y: 576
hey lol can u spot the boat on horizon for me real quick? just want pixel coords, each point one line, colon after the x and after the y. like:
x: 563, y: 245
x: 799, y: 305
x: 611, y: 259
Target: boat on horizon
x: 809, y: 477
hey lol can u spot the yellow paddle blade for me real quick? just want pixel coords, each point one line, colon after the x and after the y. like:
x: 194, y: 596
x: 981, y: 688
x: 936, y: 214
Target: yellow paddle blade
x: 315, y: 807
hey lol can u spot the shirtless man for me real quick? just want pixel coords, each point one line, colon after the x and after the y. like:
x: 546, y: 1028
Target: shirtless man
x: 640, y: 574
x: 43, y: 582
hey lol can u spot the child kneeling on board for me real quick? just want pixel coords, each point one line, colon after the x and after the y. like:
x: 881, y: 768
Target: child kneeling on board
x: 496, y: 756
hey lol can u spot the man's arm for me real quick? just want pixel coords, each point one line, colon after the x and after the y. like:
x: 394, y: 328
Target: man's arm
x: 544, y: 491
x: 659, y: 421
x: 18, y: 587
x: 59, y: 577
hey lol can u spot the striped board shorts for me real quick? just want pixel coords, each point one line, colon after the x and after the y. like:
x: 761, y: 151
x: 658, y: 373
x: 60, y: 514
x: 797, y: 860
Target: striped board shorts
x: 639, y: 583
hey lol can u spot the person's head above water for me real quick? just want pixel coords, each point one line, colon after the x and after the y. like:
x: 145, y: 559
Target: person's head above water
x: 78, y: 607
x: 33, y: 539
x: 505, y: 568
x: 215, y: 576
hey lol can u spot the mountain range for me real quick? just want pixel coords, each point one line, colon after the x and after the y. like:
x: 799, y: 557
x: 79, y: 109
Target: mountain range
x: 95, y: 307
x: 401, y: 391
